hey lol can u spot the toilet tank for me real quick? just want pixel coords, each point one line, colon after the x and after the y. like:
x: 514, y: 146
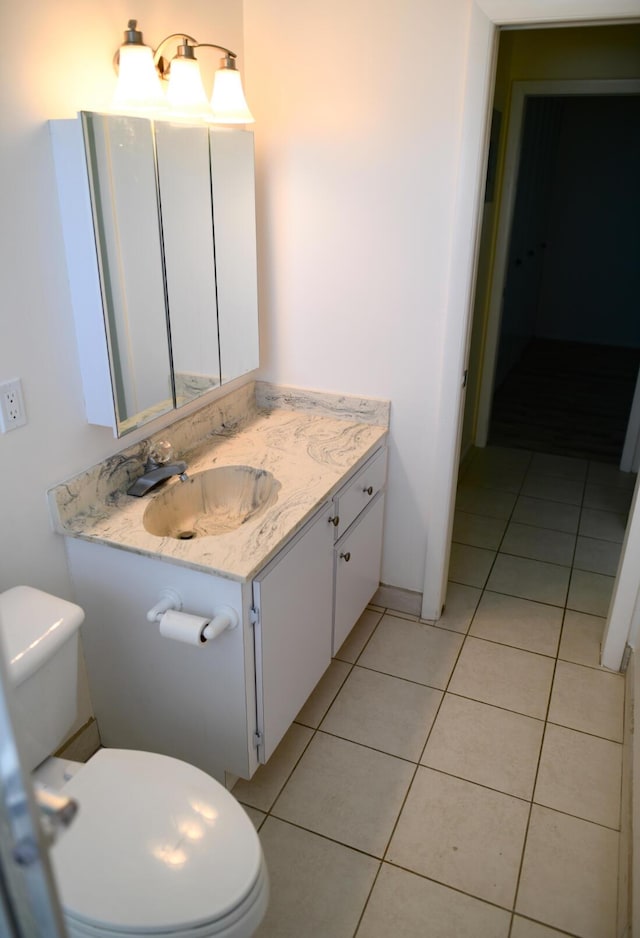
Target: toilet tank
x: 39, y: 637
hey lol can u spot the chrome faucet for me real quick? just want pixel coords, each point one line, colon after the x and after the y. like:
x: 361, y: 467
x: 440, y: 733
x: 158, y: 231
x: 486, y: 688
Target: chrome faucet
x: 157, y: 469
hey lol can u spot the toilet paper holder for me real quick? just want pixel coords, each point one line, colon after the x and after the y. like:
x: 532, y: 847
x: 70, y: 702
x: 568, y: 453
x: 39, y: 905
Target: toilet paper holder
x: 225, y: 617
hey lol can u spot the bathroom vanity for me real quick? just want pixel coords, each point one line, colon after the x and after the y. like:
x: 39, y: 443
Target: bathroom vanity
x: 299, y: 573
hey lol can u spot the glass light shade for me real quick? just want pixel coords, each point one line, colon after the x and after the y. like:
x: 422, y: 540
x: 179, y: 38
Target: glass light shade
x: 228, y: 102
x: 138, y: 87
x: 186, y: 96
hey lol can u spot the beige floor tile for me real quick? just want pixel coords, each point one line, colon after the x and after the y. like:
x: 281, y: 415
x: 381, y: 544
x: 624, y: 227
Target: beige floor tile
x: 486, y: 745
x: 478, y: 530
x: 324, y: 694
x: 412, y: 650
x: 383, y: 712
x: 399, y: 614
x: 518, y: 622
x: 524, y: 540
x: 545, y: 514
x: 507, y: 478
x: 395, y: 598
x: 597, y: 556
x: 266, y: 784
x: 461, y: 835
x: 580, y: 775
x: 317, y: 888
x: 359, y: 635
x: 524, y: 928
x: 402, y: 904
x: 581, y: 638
x: 460, y: 604
x: 505, y: 677
x: 607, y: 525
x: 346, y: 792
x: 605, y: 474
x: 257, y: 817
x: 590, y: 592
x: 500, y: 457
x: 566, y: 467
x: 588, y: 700
x: 484, y: 501
x: 607, y: 497
x: 530, y: 579
x: 553, y: 488
x: 568, y: 875
x: 470, y: 565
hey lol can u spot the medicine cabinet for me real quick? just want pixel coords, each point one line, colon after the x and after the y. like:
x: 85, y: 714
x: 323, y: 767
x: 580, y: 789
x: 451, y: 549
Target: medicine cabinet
x: 158, y: 221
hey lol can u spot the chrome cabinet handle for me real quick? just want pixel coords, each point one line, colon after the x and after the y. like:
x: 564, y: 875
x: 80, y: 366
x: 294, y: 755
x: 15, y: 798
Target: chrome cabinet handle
x: 334, y: 521
x: 368, y: 490
x: 346, y: 557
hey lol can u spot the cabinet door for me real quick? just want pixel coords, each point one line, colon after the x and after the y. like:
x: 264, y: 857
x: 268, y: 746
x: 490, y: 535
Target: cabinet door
x: 358, y: 556
x: 122, y: 180
x: 293, y: 599
x: 234, y: 222
x: 182, y: 155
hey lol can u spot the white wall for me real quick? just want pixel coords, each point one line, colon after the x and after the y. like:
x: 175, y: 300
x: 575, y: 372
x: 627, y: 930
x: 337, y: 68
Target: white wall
x: 358, y: 111
x: 57, y: 62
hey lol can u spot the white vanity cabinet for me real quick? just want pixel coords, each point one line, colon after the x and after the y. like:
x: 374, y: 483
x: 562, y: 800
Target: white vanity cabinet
x: 226, y: 704
x: 358, y: 515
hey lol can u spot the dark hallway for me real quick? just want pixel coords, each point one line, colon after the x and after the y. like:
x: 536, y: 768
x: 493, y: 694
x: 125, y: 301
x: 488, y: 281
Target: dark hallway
x: 570, y: 335
x: 567, y: 398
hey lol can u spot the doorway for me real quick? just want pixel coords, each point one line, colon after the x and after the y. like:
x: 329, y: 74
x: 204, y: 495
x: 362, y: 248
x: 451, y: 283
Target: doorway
x: 470, y: 240
x: 558, y: 365
x: 626, y: 586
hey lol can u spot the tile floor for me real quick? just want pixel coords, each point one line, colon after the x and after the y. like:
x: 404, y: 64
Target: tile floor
x: 462, y: 779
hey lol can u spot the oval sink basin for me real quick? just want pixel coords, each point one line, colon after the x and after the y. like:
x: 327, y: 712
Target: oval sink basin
x: 212, y: 502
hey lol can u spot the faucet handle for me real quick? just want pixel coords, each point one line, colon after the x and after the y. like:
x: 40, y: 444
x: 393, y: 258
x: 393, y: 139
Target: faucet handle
x: 160, y: 452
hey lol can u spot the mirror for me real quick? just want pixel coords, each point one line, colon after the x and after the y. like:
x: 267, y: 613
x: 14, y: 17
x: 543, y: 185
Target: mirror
x: 173, y: 210
x: 187, y: 233
x: 121, y: 165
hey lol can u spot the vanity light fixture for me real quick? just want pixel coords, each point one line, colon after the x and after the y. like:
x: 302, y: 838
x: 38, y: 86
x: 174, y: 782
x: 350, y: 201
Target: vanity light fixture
x: 140, y: 70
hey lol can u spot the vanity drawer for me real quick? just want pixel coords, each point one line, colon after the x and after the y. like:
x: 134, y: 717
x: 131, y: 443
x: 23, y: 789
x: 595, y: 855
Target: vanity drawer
x: 360, y: 491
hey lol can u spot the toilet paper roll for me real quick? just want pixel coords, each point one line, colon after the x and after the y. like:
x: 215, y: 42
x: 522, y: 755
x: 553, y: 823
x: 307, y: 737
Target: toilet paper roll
x: 183, y: 627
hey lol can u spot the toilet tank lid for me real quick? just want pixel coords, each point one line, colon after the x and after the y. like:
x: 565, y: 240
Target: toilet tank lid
x: 33, y: 625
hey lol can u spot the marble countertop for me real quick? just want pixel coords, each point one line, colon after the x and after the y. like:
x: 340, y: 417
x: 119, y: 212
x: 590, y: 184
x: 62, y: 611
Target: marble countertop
x: 310, y: 442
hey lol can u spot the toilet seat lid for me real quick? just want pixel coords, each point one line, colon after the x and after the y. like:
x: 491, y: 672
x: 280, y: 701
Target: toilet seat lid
x: 157, y: 845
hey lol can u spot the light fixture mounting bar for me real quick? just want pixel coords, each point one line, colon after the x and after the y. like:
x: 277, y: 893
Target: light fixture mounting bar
x: 162, y: 64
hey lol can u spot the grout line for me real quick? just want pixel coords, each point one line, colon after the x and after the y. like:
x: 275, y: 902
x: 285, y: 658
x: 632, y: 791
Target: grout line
x: 419, y: 765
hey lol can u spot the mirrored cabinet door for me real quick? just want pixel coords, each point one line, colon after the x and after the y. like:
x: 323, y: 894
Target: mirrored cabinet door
x: 122, y: 182
x: 184, y: 184
x: 158, y: 221
x: 234, y: 217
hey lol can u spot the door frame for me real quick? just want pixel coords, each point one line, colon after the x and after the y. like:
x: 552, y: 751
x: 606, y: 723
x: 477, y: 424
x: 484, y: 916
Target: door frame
x: 485, y: 18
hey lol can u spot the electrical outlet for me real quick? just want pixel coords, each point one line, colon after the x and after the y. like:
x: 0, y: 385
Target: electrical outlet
x: 12, y: 412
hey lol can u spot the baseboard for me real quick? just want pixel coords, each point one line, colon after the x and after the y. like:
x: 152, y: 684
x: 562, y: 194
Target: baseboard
x: 82, y: 745
x: 397, y: 599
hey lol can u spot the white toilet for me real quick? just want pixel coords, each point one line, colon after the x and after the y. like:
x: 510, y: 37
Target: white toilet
x: 157, y: 848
